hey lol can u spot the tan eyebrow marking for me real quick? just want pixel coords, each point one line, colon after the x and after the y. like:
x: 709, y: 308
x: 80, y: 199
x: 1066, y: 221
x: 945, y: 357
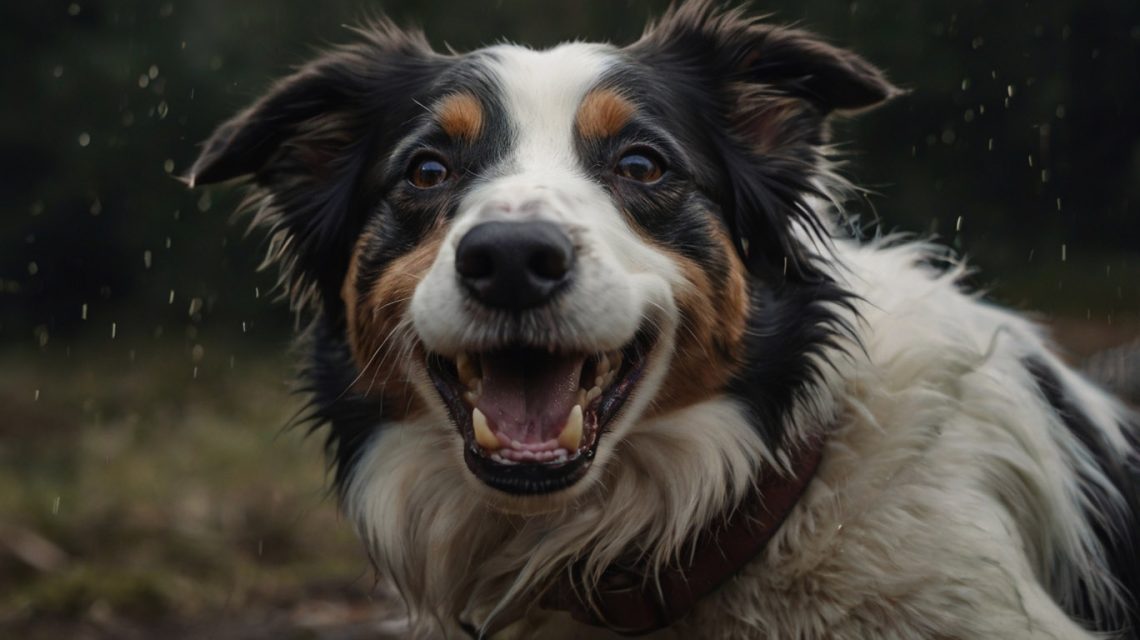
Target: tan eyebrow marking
x: 603, y: 113
x: 460, y: 115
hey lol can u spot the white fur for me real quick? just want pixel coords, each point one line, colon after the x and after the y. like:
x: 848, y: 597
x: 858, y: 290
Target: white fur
x: 947, y: 488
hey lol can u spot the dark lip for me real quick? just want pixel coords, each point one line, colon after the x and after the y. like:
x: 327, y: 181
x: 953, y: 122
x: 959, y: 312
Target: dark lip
x: 537, y: 478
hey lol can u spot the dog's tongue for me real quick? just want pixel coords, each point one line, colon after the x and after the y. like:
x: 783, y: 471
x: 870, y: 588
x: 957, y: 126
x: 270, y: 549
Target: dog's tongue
x: 527, y: 394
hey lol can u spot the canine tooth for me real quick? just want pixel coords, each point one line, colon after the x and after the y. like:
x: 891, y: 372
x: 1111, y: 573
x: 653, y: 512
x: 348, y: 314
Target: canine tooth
x: 603, y: 365
x: 466, y: 368
x: 571, y: 436
x: 600, y: 381
x: 582, y: 397
x: 593, y: 393
x: 483, y: 434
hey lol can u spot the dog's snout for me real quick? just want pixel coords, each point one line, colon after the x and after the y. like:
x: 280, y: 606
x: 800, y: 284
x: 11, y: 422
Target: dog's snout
x: 514, y: 265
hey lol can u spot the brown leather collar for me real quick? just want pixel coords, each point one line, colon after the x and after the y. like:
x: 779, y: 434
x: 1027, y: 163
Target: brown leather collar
x: 629, y: 601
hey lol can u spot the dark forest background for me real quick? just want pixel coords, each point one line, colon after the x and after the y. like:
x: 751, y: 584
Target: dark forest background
x: 145, y: 482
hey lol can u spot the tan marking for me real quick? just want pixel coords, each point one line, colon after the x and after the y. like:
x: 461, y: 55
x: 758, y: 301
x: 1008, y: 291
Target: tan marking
x: 348, y: 289
x: 603, y: 114
x: 387, y: 352
x: 709, y: 345
x: 460, y: 115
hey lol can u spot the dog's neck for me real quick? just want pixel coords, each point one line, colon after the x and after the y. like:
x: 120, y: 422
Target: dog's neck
x: 633, y: 599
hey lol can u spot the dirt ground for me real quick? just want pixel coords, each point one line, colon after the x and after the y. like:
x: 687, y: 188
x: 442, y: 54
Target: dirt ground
x: 151, y: 494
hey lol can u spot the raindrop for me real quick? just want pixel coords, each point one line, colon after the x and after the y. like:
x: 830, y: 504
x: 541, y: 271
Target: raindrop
x: 163, y: 109
x: 96, y: 207
x: 197, y: 353
x: 114, y: 330
x: 958, y: 224
x: 57, y: 72
x: 83, y: 311
x: 948, y: 136
x: 1030, y: 160
x: 990, y: 144
x: 195, y: 306
x: 152, y: 72
x: 1064, y: 253
x: 33, y: 268
x: 73, y: 9
x: 1058, y: 204
x: 143, y: 81
x: 55, y: 503
x: 84, y: 139
x: 168, y: 166
x: 977, y: 42
x: 146, y: 258
x: 36, y: 398
x: 204, y: 202
x: 171, y: 300
x: 1060, y: 112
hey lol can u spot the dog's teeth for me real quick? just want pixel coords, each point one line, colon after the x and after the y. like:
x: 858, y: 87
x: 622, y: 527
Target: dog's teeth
x: 483, y: 434
x: 571, y: 436
x: 593, y: 393
x: 603, y: 365
x: 600, y: 381
x: 470, y: 397
x: 582, y: 397
x: 467, y: 373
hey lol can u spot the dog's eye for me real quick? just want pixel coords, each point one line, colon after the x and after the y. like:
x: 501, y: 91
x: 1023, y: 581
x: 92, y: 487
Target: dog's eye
x: 427, y: 172
x: 640, y: 165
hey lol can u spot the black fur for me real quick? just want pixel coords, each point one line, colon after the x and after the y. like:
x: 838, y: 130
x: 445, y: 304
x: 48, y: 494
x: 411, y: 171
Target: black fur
x: 1117, y: 528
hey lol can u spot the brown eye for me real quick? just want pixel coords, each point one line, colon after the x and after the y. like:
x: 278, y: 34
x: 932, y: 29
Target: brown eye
x: 640, y: 165
x: 426, y: 173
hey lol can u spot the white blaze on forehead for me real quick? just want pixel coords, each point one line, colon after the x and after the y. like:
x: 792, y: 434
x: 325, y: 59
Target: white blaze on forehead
x: 541, y: 91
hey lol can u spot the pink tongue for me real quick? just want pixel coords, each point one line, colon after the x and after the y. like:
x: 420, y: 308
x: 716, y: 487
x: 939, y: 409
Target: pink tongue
x: 527, y: 393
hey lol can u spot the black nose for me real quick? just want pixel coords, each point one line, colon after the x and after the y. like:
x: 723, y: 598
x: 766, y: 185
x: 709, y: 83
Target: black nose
x: 514, y: 265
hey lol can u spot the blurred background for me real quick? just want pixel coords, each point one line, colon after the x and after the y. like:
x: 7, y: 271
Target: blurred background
x: 147, y: 481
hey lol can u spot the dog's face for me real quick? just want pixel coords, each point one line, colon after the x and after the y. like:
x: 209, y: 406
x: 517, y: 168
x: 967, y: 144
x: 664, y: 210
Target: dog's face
x: 536, y: 251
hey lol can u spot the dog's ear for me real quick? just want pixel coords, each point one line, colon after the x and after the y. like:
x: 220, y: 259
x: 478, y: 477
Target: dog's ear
x: 306, y: 143
x: 770, y: 91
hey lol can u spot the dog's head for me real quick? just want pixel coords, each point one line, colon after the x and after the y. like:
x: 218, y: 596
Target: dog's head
x: 536, y: 251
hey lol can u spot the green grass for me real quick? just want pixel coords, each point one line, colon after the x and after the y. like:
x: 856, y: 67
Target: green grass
x: 136, y: 488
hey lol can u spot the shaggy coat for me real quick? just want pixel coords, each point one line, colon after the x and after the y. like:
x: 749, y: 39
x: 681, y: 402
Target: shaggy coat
x: 698, y: 313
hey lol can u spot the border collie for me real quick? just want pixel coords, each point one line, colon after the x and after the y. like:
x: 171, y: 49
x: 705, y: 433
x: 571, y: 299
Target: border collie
x: 596, y: 355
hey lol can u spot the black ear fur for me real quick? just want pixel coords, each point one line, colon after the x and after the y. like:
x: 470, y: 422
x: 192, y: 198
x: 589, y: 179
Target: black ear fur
x: 341, y: 83
x: 771, y: 89
x: 306, y: 145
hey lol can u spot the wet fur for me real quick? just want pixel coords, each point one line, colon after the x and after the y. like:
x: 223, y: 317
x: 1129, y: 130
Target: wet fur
x: 972, y: 485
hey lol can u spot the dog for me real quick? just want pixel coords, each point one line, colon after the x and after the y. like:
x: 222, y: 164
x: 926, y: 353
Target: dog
x: 598, y: 353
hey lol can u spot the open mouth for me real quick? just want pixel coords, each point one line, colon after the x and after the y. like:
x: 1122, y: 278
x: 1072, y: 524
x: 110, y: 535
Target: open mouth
x: 531, y: 418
